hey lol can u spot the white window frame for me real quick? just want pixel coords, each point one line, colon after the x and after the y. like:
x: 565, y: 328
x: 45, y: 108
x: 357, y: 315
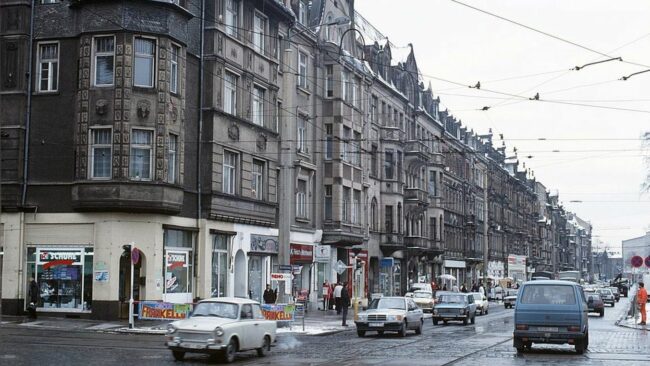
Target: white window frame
x: 91, y: 152
x: 259, y: 31
x: 174, y: 74
x: 345, y: 203
x: 329, y: 141
x: 356, y: 208
x: 303, y: 12
x: 345, y: 80
x: 329, y: 81
x: 303, y: 69
x: 172, y: 158
x: 301, y: 134
x: 52, y: 82
x: 142, y: 147
x: 347, y: 135
x: 257, y: 108
x: 257, y: 180
x: 301, y: 200
x: 328, y: 203
x: 97, y: 54
x: 232, y: 17
x: 152, y: 57
x: 230, y: 90
x: 229, y: 187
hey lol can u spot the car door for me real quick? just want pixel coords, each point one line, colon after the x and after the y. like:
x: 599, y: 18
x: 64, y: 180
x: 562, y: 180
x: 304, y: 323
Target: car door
x: 246, y: 327
x: 414, y: 314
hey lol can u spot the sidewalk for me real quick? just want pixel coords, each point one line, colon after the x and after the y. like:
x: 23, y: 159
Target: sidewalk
x: 627, y: 321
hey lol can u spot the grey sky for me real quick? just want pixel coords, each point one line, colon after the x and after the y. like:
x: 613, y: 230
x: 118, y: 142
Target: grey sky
x: 600, y: 157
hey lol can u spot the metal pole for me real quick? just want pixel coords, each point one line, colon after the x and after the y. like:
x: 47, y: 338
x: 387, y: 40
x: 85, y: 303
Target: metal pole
x: 485, y: 230
x: 131, y: 293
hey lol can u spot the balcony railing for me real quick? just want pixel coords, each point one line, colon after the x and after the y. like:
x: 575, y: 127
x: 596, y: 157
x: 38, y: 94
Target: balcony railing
x: 417, y: 149
x: 392, y: 239
x: 417, y: 242
x: 416, y: 195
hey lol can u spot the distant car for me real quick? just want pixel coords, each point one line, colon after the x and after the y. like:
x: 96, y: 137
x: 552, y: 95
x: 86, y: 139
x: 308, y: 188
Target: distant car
x: 616, y: 292
x: 454, y: 306
x: 595, y: 303
x: 222, y: 326
x: 607, y: 295
x: 481, y: 301
x: 392, y: 314
x: 510, y: 298
x: 551, y: 312
x: 424, y: 299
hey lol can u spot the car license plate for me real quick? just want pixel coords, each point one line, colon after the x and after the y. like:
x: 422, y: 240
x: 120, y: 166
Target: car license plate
x: 547, y: 329
x: 192, y: 345
x: 376, y: 324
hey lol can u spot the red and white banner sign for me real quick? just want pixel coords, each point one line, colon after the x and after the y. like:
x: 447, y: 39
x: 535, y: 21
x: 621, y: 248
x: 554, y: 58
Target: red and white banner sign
x: 301, y: 253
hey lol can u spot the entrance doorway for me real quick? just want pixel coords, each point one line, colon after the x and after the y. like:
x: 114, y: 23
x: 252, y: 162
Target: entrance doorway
x: 240, y: 274
x: 139, y: 282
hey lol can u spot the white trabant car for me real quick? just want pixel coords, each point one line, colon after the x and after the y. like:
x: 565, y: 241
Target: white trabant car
x: 425, y: 300
x: 482, y: 304
x: 222, y: 326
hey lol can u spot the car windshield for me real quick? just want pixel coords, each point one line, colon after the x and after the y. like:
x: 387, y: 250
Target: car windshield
x: 216, y: 309
x: 548, y: 294
x: 452, y: 299
x: 387, y: 303
x: 477, y: 296
x: 604, y: 292
x: 422, y: 295
x: 512, y: 292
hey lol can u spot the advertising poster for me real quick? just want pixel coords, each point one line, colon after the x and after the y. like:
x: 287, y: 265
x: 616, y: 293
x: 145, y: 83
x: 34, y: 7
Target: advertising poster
x: 279, y: 312
x: 154, y: 310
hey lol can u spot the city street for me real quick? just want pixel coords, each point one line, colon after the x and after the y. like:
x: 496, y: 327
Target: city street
x: 489, y: 339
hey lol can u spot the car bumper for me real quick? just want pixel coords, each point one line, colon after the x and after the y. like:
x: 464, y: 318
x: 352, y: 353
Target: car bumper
x: 542, y: 337
x: 199, y: 347
x: 387, y: 326
x: 450, y: 317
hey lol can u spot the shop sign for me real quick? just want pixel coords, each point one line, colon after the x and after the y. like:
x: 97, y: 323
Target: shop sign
x: 52, y: 258
x: 281, y: 276
x: 322, y: 253
x: 453, y: 264
x: 279, y: 312
x: 154, y: 310
x: 101, y: 276
x: 301, y: 253
x: 264, y: 244
x: 175, y: 260
x: 387, y: 262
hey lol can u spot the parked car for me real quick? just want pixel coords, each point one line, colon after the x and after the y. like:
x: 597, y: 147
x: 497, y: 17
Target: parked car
x: 595, y: 303
x: 481, y: 301
x: 392, y: 314
x: 424, y: 299
x: 454, y: 306
x: 551, y: 312
x: 616, y: 292
x: 222, y: 326
x: 607, y: 295
x: 510, y: 298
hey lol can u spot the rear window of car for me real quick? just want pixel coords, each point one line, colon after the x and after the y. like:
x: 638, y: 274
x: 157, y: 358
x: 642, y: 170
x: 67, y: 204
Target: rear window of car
x: 548, y: 295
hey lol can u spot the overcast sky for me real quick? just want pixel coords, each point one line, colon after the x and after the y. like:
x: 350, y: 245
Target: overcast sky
x: 592, y: 155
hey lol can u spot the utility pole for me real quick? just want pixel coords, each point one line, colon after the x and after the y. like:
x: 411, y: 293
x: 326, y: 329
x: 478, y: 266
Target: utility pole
x: 485, y: 229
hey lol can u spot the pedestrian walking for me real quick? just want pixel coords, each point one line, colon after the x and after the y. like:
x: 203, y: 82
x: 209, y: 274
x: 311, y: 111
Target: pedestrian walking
x: 434, y: 287
x: 454, y: 288
x: 270, y: 295
x: 345, y: 303
x: 444, y: 287
x: 642, y: 299
x: 481, y: 289
x: 463, y: 288
x: 34, y: 297
x: 474, y: 287
x: 326, y: 295
x: 337, y: 297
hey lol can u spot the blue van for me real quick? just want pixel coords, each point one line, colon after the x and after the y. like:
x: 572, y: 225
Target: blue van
x: 550, y: 311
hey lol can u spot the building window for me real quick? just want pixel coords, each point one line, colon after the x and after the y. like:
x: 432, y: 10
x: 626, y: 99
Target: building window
x: 433, y: 188
x: 303, y: 12
x: 345, y: 215
x: 373, y: 160
x: 302, y: 134
x: 388, y: 164
x: 329, y: 81
x: 373, y: 108
x: 257, y: 183
x: 328, y: 202
x: 104, y: 60
x: 172, y: 152
x: 178, y: 263
x: 141, y: 146
x: 433, y: 227
x: 229, y: 172
x: 100, y: 153
x: 219, y: 264
x: 328, y: 141
x: 373, y: 215
x: 389, y: 218
x: 173, y: 84
x: 356, y: 207
x: 302, y: 70
x: 230, y: 93
x: 48, y: 67
x: 301, y: 199
x: 259, y: 26
x: 356, y: 149
x: 144, y: 62
x: 258, y: 106
x: 232, y: 17
x: 278, y: 117
x: 399, y: 217
x: 346, y: 144
x: 345, y: 82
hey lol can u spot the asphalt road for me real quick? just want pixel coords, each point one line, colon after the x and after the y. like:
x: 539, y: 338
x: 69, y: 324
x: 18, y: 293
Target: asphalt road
x: 487, y: 341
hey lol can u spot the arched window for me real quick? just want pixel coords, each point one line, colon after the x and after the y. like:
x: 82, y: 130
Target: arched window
x: 329, y: 28
x: 399, y: 218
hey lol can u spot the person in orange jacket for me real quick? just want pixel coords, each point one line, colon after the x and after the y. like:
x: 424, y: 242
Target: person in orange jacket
x: 642, y: 299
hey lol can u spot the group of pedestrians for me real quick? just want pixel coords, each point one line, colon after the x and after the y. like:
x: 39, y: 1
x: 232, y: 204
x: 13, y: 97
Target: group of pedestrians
x: 337, y: 296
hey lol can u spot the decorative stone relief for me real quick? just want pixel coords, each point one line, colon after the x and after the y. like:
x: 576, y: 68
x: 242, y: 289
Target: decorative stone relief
x: 100, y: 107
x: 233, y: 132
x: 261, y: 142
x: 144, y: 108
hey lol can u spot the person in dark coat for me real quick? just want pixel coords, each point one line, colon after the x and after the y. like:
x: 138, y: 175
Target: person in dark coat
x: 345, y: 303
x: 270, y: 295
x: 34, y: 296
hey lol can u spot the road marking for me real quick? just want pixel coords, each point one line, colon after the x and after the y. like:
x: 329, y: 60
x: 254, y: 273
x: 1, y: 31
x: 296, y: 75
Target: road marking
x: 152, y: 357
x: 8, y: 357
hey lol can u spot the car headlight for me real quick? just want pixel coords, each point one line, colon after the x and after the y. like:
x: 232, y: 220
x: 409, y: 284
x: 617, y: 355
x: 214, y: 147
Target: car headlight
x: 394, y: 318
x: 435, y: 311
x: 218, y: 332
x: 171, y: 329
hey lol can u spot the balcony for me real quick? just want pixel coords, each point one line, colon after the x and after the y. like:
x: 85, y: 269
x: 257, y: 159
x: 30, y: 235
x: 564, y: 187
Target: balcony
x: 416, y: 196
x: 416, y: 149
x: 437, y: 159
x: 392, y: 240
x: 127, y: 196
x: 390, y: 134
x: 417, y: 242
x: 340, y: 234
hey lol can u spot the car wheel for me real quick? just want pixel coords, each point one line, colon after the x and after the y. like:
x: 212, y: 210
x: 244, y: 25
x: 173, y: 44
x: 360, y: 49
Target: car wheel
x: 465, y: 321
x: 178, y: 355
x: 402, y: 330
x: 486, y: 311
x: 473, y: 319
x: 586, y: 341
x: 580, y: 348
x: 361, y: 333
x: 435, y: 321
x: 228, y: 354
x: 445, y: 322
x: 418, y: 331
x: 518, y: 344
x: 380, y: 332
x: 602, y: 313
x: 266, y: 347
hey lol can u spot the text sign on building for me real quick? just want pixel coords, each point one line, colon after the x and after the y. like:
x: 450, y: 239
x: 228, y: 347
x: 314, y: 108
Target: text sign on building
x: 322, y: 253
x: 264, y: 244
x: 301, y: 253
x: 58, y: 257
x: 163, y: 310
x: 175, y: 260
x: 387, y: 262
